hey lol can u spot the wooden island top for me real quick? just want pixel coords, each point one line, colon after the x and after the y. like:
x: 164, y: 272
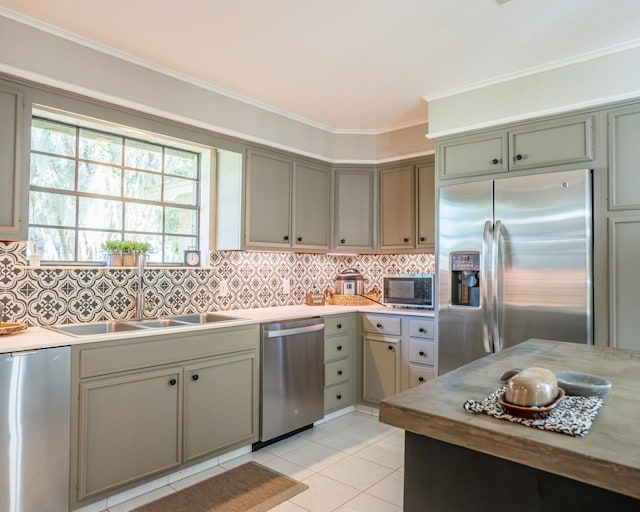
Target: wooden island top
x: 607, y: 457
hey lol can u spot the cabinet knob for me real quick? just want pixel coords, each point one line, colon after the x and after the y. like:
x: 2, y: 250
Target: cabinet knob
x: 285, y: 237
x: 421, y: 353
x: 339, y: 397
x: 339, y: 372
x: 299, y: 239
x: 421, y: 329
x: 195, y: 376
x: 173, y: 382
x: 390, y: 347
x: 343, y: 241
x: 406, y: 240
x: 339, y: 347
x: 379, y: 326
x: 339, y: 326
x: 519, y: 157
x: 421, y: 379
x: 423, y: 239
x: 495, y: 161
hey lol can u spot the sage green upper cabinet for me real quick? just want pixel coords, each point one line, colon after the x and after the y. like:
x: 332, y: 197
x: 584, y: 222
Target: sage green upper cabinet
x: 397, y: 208
x: 354, y: 207
x: 474, y: 155
x: 624, y: 158
x: 426, y: 223
x: 15, y: 115
x: 287, y: 203
x: 311, y: 200
x: 268, y: 200
x: 551, y: 143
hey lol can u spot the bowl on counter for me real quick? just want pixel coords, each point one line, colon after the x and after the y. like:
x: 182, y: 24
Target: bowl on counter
x: 582, y: 384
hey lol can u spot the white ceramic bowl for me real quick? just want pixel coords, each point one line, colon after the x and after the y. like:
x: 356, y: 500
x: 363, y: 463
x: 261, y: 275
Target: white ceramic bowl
x: 532, y: 387
x: 583, y: 384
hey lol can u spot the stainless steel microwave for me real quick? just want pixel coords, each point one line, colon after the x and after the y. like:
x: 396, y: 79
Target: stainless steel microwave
x: 408, y: 290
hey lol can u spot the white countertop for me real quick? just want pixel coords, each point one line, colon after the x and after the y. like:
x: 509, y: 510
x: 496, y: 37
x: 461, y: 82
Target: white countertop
x: 38, y: 337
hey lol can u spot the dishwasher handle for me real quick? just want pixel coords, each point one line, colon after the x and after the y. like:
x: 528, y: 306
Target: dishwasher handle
x: 295, y: 330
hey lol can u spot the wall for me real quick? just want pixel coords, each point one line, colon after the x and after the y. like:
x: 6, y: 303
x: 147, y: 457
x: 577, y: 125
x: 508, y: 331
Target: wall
x: 52, y: 295
x: 33, y: 54
x: 589, y: 83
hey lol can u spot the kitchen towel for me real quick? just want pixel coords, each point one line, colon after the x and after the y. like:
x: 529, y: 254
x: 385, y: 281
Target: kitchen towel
x: 574, y: 415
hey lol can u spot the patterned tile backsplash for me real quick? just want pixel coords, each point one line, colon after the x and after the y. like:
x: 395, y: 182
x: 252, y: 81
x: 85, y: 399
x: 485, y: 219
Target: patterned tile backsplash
x: 53, y: 295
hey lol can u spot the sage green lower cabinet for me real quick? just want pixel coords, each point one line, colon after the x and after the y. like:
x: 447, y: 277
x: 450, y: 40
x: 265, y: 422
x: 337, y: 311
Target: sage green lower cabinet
x: 130, y: 428
x: 150, y: 405
x: 381, y: 368
x: 339, y: 361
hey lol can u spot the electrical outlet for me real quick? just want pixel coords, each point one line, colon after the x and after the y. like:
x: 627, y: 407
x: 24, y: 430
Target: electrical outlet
x: 223, y: 290
x: 286, y: 286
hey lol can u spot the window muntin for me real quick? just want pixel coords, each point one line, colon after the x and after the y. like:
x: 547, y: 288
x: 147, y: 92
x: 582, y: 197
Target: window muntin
x: 117, y: 187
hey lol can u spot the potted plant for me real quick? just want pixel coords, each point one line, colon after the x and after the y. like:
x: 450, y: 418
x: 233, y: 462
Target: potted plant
x: 124, y: 253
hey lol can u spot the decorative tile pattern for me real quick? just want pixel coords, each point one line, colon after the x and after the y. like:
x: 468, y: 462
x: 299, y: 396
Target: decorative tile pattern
x: 49, y: 295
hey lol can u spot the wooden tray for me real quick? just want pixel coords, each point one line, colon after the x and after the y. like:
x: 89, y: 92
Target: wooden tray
x: 12, y: 328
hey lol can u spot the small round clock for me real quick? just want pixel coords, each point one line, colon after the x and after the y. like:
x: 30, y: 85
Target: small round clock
x: 191, y: 258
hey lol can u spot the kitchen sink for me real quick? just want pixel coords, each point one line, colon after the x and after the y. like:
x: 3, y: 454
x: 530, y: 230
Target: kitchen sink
x: 156, y: 323
x: 205, y: 318
x: 95, y: 328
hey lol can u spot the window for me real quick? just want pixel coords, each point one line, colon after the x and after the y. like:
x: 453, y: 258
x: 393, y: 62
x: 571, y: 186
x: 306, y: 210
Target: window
x: 89, y: 186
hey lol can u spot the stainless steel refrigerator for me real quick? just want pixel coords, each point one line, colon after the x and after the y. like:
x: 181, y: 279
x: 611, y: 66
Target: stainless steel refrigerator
x: 514, y: 262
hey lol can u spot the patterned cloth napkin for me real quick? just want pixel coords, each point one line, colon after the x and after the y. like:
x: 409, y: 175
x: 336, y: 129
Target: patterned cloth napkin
x: 573, y: 415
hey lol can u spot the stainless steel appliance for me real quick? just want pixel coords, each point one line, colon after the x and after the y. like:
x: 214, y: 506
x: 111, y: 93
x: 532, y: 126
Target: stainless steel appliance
x: 292, y: 376
x: 514, y: 262
x: 34, y: 430
x: 408, y: 290
x: 350, y: 282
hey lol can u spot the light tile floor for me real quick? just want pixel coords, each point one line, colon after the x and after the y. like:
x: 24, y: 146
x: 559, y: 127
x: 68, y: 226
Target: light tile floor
x: 350, y: 463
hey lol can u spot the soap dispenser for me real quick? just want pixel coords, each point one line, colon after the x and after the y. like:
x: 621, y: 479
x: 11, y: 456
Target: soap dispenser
x: 34, y: 257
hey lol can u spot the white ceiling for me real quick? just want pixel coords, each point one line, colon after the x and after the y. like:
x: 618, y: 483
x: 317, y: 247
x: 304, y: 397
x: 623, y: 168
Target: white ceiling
x: 361, y: 65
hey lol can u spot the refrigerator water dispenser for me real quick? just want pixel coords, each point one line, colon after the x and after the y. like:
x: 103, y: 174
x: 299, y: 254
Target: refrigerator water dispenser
x: 465, y: 279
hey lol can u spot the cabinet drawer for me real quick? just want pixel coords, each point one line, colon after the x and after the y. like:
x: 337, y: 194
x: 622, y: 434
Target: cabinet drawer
x: 422, y: 351
x: 422, y: 328
x: 337, y: 324
x: 419, y: 374
x: 337, y: 396
x: 382, y: 324
x: 552, y: 143
x: 336, y: 371
x: 336, y: 346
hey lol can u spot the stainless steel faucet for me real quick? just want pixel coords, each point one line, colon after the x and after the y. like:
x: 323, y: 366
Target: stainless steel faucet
x: 142, y: 259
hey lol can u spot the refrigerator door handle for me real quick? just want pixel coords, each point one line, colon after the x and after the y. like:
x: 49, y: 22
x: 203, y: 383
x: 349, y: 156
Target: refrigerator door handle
x: 484, y: 284
x: 495, y: 298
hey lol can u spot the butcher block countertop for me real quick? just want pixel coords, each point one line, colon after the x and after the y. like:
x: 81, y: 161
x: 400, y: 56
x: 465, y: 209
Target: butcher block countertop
x: 607, y: 457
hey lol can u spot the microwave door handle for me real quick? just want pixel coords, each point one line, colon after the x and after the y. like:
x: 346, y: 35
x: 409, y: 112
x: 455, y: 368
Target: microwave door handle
x: 484, y: 287
x: 495, y: 296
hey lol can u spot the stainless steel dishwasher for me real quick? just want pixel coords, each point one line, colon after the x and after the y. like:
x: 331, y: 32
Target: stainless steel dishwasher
x: 292, y: 376
x: 35, y: 398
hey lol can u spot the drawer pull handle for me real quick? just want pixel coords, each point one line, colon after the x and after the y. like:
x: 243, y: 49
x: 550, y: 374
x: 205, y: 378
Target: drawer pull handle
x: 379, y: 326
x: 299, y: 239
x: 343, y: 241
x: 195, y: 376
x: 421, y: 329
x: 339, y: 397
x: 339, y: 372
x: 173, y: 382
x: 422, y: 353
x: 406, y: 240
x: 390, y: 347
x: 422, y: 239
x: 495, y: 161
x: 285, y: 237
x: 339, y: 326
x: 421, y: 379
x: 519, y: 157
x: 339, y: 347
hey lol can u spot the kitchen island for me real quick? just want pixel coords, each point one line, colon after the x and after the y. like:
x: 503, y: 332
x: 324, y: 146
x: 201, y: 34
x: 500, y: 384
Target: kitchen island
x: 455, y: 460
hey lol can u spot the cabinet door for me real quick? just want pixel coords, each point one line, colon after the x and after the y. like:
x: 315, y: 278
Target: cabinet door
x: 268, y: 201
x: 551, y: 143
x: 470, y: 156
x: 624, y: 279
x: 221, y: 404
x: 397, y: 208
x: 624, y: 158
x: 381, y: 368
x: 354, y: 207
x: 425, y: 176
x: 130, y: 428
x: 312, y: 186
x: 15, y: 111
